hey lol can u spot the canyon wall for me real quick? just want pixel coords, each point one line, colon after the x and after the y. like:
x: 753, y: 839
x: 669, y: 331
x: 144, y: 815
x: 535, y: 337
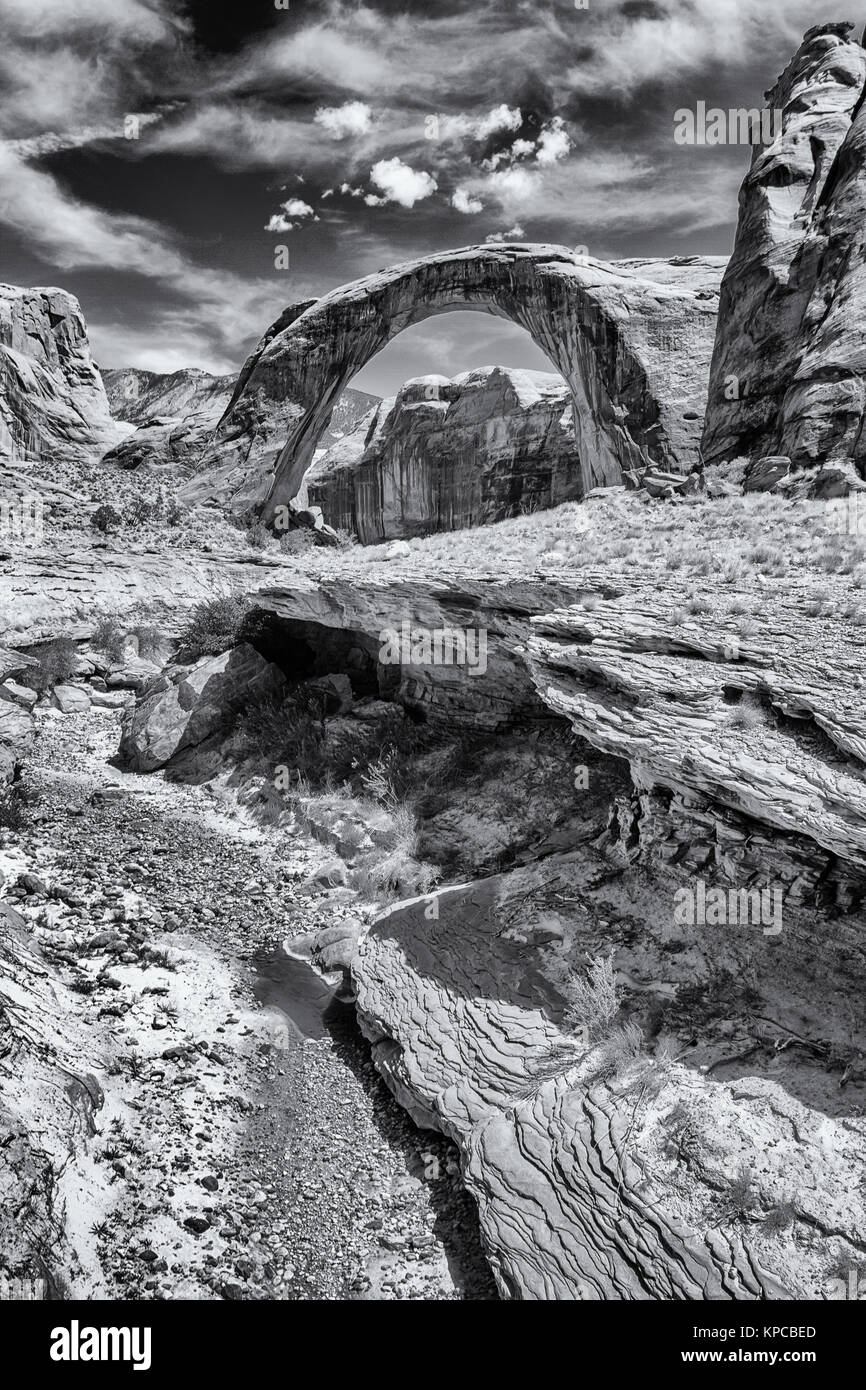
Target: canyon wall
x: 441, y: 455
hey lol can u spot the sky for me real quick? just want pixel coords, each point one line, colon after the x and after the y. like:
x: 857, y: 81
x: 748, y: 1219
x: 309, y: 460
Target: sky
x: 155, y: 154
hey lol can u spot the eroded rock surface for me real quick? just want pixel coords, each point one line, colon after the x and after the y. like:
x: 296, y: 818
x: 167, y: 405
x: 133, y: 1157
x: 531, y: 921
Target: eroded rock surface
x: 787, y: 377
x: 53, y: 406
x: 446, y: 454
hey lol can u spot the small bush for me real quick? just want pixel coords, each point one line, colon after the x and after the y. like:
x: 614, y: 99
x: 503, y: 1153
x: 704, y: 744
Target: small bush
x: 740, y: 1200
x: 56, y: 663
x: 257, y: 536
x: 106, y: 518
x: 618, y: 1052
x: 595, y: 999
x: 149, y: 640
x: 745, y: 716
x: 346, y: 539
x: 13, y: 809
x: 110, y: 638
x: 297, y: 542
x: 214, y: 626
x: 780, y: 1217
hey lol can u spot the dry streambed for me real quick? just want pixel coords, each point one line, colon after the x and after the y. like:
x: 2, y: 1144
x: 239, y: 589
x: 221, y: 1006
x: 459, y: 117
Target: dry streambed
x: 165, y: 1133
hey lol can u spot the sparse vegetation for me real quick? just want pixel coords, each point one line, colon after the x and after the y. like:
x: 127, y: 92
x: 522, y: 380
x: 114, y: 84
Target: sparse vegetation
x: 214, y: 626
x: 56, y: 662
x: 595, y: 1000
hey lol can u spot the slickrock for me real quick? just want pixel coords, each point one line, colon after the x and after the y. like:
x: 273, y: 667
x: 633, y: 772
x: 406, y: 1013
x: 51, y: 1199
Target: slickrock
x: 53, y: 406
x: 446, y: 454
x: 631, y: 338
x: 787, y: 377
x: 644, y: 682
x: 601, y: 1178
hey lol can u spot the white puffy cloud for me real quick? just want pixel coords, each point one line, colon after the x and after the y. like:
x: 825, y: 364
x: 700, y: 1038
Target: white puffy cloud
x: 296, y: 207
x: 399, y: 183
x: 352, y: 118
x: 554, y: 142
x: 514, y: 185
x: 279, y: 223
x: 515, y: 233
x: 465, y: 202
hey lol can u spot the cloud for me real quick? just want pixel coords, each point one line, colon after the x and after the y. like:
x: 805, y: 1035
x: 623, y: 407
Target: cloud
x: 514, y: 185
x: 279, y: 223
x: 296, y: 207
x: 70, y: 234
x: 554, y: 142
x: 401, y: 184
x: 464, y: 202
x: 515, y: 233
x: 352, y: 118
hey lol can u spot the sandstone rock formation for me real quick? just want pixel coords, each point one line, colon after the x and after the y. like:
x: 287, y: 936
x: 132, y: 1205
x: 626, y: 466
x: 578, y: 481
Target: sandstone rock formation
x: 176, y: 413
x: 787, y: 376
x: 632, y: 340
x: 139, y: 396
x: 185, y: 705
x: 53, y: 406
x: 444, y: 454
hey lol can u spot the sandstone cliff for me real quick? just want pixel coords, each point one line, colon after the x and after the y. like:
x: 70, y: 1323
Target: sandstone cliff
x: 446, y: 454
x: 176, y: 414
x: 787, y: 377
x: 53, y: 406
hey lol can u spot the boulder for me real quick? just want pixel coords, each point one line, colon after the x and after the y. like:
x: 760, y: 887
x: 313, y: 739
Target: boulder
x: 18, y: 694
x: 185, y: 705
x: 71, y: 699
x: 765, y: 473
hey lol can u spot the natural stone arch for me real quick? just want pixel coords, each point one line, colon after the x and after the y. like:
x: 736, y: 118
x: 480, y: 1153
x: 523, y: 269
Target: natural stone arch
x: 632, y: 339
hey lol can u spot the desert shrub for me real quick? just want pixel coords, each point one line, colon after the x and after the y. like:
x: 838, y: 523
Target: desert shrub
x: 740, y: 1199
x: 144, y: 511
x: 297, y: 542
x: 56, y: 662
x: 746, y: 716
x: 780, y: 1217
x: 109, y: 637
x: 346, y: 539
x: 214, y: 626
x: 106, y: 518
x: 595, y: 999
x: 149, y: 640
x: 257, y: 536
x: 13, y: 809
x: 617, y: 1052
